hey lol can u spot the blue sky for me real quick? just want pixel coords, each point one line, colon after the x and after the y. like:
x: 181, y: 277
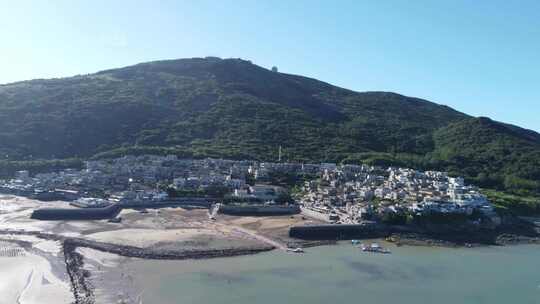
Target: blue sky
x: 480, y: 57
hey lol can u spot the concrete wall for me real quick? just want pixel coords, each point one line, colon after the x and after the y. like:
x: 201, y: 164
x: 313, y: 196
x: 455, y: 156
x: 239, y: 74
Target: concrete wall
x: 316, y: 215
x: 52, y: 214
x: 337, y: 232
x: 258, y: 210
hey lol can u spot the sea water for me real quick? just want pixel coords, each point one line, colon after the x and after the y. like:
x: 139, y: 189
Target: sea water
x: 344, y: 274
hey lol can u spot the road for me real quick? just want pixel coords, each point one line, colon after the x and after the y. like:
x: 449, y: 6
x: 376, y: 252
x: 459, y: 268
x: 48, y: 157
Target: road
x: 252, y: 234
x: 261, y: 238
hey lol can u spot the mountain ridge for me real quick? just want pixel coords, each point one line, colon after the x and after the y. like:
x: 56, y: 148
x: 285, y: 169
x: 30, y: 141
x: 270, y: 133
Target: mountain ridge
x: 235, y: 109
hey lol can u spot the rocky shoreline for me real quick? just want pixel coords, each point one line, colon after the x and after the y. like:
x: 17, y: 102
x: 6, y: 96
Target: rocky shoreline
x: 513, y: 232
x: 418, y: 239
x: 160, y: 254
x: 84, y: 291
x: 82, y: 288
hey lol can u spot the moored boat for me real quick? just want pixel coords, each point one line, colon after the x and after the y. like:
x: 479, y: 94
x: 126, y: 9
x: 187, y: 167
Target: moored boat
x: 374, y: 247
x: 295, y: 250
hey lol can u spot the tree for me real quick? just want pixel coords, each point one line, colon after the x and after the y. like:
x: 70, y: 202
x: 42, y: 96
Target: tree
x: 250, y: 179
x: 274, y: 69
x: 217, y: 191
x: 283, y: 198
x: 171, y: 192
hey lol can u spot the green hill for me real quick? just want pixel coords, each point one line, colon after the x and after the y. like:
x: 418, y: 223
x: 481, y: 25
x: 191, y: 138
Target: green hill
x: 232, y: 108
x: 493, y: 154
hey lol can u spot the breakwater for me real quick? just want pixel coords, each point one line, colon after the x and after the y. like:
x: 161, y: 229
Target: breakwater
x: 441, y: 235
x: 177, y: 202
x: 51, y: 214
x: 83, y: 291
x: 184, y: 202
x: 258, y: 210
x: 160, y: 254
x: 82, y: 288
x: 337, y: 232
x: 404, y: 233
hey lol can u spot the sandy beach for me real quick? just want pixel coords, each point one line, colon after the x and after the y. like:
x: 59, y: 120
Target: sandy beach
x: 148, y: 237
x: 29, y: 279
x: 39, y: 275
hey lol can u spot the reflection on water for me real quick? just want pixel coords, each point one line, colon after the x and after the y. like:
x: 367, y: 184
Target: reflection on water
x: 340, y: 274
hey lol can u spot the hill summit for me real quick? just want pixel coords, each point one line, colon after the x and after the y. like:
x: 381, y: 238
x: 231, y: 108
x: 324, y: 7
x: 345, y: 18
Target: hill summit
x: 235, y: 109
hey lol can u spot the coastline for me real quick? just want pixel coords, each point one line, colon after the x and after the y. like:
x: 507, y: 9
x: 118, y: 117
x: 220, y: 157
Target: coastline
x: 81, y: 278
x: 343, y: 273
x: 180, y: 234
x: 84, y: 290
x: 82, y: 287
x: 417, y: 239
x: 34, y: 271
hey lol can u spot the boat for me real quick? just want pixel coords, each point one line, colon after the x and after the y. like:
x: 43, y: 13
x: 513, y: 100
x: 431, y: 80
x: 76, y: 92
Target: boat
x: 374, y: 247
x: 355, y: 242
x: 295, y: 250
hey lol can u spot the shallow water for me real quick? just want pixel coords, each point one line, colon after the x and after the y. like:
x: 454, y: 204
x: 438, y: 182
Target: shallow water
x: 341, y: 274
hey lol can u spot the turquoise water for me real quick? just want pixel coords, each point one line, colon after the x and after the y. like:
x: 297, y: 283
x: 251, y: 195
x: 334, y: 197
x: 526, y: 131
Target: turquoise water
x: 343, y: 274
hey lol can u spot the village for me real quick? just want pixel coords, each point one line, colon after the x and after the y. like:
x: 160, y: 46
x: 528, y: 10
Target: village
x: 339, y: 194
x: 362, y: 194
x: 163, y: 207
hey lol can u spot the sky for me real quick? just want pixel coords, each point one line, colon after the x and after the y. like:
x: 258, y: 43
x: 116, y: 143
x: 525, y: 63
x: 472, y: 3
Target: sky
x: 479, y: 57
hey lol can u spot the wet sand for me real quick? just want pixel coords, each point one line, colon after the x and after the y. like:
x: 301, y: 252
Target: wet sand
x: 40, y: 275
x: 36, y: 275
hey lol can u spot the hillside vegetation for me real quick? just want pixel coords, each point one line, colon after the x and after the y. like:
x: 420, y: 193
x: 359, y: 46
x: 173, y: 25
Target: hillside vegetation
x: 232, y: 108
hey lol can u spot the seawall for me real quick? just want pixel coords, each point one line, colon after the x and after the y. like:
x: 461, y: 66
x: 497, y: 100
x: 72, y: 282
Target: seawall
x: 315, y: 214
x: 202, y: 203
x: 258, y: 210
x: 51, y: 214
x: 337, y: 232
x: 111, y: 211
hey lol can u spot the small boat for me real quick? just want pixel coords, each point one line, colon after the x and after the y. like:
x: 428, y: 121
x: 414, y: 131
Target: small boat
x: 374, y: 247
x: 295, y: 250
x: 355, y: 242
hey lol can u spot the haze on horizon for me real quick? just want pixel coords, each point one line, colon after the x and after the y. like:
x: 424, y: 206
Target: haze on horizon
x: 480, y: 58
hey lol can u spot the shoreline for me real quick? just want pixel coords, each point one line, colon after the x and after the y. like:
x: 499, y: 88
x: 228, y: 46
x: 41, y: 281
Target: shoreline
x: 32, y: 270
x: 417, y: 239
x: 180, y: 234
x: 83, y: 290
x: 514, y: 231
